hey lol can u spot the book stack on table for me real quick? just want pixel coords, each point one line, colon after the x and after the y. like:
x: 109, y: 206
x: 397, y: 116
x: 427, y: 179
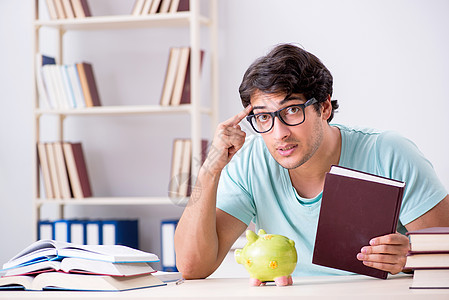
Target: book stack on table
x: 429, y: 258
x: 53, y: 265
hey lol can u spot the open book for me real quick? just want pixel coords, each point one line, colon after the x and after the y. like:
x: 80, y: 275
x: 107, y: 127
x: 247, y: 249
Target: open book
x: 79, y: 282
x: 83, y: 266
x: 355, y: 208
x: 53, y: 250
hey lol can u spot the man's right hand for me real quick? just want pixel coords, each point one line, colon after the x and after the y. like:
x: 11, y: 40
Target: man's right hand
x: 228, y: 139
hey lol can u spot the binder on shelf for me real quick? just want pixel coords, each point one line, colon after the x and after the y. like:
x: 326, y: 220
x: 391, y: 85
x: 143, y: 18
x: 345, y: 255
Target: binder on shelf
x: 168, y: 257
x: 45, y: 230
x: 62, y: 230
x: 120, y: 232
x: 78, y: 232
x: 94, y: 232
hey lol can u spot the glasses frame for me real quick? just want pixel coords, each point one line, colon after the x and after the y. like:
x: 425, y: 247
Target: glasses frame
x: 277, y: 113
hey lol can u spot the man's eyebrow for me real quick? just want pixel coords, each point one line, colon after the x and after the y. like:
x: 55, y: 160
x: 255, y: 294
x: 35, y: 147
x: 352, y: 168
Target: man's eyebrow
x: 291, y: 98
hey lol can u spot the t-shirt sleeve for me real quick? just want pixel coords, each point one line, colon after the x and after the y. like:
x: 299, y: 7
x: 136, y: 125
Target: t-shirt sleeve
x: 233, y: 194
x: 399, y: 158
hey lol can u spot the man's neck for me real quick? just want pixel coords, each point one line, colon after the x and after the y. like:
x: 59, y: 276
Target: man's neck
x: 308, y: 179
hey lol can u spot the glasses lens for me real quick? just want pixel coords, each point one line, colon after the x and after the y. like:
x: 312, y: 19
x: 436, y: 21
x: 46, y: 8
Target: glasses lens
x: 292, y: 115
x: 262, y: 122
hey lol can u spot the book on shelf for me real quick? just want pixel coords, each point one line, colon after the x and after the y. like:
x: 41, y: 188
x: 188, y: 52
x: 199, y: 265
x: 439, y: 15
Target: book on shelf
x: 88, y: 84
x: 61, y: 170
x: 180, y: 185
x: 64, y: 170
x: 168, y: 255
x: 43, y: 250
x: 51, y: 159
x: 67, y: 9
x: 355, y: 208
x: 177, y: 85
x: 138, y: 7
x: 164, y: 7
x: 155, y: 5
x: 42, y: 60
x: 429, y: 239
x: 79, y: 282
x: 82, y: 266
x: 179, y: 5
x: 170, y: 76
x: 430, y: 279
x: 45, y: 170
x: 77, y: 170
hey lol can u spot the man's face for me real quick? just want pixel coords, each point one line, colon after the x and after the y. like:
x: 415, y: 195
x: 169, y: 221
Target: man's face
x: 290, y: 146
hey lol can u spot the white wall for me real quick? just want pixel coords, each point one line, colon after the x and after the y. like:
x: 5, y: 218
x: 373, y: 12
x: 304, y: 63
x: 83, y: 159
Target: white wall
x: 388, y: 58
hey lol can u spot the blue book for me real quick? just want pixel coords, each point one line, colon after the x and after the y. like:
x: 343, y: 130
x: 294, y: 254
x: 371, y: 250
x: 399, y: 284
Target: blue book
x: 168, y: 257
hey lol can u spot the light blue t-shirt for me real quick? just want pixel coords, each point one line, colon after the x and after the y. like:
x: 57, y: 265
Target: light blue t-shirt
x: 254, y: 187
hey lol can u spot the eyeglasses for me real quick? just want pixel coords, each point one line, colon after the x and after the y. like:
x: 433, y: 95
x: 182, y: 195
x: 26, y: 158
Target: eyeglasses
x: 291, y: 116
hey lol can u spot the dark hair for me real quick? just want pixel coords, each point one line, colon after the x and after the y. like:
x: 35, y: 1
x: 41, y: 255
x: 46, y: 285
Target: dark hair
x: 288, y: 69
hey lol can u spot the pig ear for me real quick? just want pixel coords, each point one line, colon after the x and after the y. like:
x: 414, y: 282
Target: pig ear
x: 292, y: 242
x: 261, y: 232
x: 251, y: 236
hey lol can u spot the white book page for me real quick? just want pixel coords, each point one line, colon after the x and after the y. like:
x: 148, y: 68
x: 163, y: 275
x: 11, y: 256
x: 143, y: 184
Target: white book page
x: 354, y: 174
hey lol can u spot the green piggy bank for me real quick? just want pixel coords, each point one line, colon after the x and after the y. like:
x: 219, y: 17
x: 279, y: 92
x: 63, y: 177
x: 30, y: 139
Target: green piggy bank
x: 268, y: 257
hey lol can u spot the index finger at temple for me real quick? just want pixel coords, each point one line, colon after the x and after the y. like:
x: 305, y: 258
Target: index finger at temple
x: 238, y: 117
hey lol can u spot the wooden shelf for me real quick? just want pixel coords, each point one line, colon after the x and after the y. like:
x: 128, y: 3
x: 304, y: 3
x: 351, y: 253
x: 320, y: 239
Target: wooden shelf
x: 114, y: 201
x: 122, y: 22
x: 121, y: 110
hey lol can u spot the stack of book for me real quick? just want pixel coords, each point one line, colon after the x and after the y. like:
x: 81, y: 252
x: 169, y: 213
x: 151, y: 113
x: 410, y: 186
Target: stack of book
x: 68, y: 9
x: 181, y: 176
x: 64, y: 170
x: 66, y: 86
x: 149, y: 7
x: 176, y: 89
x: 429, y: 258
x: 51, y: 265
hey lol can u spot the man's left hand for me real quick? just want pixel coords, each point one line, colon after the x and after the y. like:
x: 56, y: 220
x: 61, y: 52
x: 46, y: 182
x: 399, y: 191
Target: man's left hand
x: 386, y: 253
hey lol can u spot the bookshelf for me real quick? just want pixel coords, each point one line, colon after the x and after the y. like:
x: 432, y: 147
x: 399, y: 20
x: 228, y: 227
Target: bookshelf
x: 192, y: 20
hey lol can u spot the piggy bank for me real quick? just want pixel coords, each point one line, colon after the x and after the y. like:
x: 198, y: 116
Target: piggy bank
x: 268, y: 257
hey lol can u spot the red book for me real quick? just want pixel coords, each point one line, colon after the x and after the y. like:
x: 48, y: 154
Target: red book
x: 77, y: 170
x: 355, y: 208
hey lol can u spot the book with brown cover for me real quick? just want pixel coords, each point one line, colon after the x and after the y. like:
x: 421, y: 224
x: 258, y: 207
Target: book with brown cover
x: 355, y: 208
x: 77, y: 169
x: 88, y: 84
x: 185, y: 98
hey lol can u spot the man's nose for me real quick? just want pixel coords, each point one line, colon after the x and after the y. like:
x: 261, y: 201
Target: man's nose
x: 280, y: 131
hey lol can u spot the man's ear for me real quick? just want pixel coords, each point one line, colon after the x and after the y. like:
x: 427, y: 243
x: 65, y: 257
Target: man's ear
x: 326, y: 108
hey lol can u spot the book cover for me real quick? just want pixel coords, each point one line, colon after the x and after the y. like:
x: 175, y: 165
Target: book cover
x: 79, y: 282
x: 45, y: 170
x: 170, y: 76
x: 51, y: 158
x: 355, y: 208
x: 61, y: 170
x: 185, y: 98
x: 88, y: 84
x: 77, y: 170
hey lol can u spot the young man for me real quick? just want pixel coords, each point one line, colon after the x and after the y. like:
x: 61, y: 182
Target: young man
x: 276, y: 178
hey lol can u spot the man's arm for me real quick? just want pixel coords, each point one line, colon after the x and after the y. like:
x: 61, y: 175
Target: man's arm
x: 389, y: 252
x: 204, y: 233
